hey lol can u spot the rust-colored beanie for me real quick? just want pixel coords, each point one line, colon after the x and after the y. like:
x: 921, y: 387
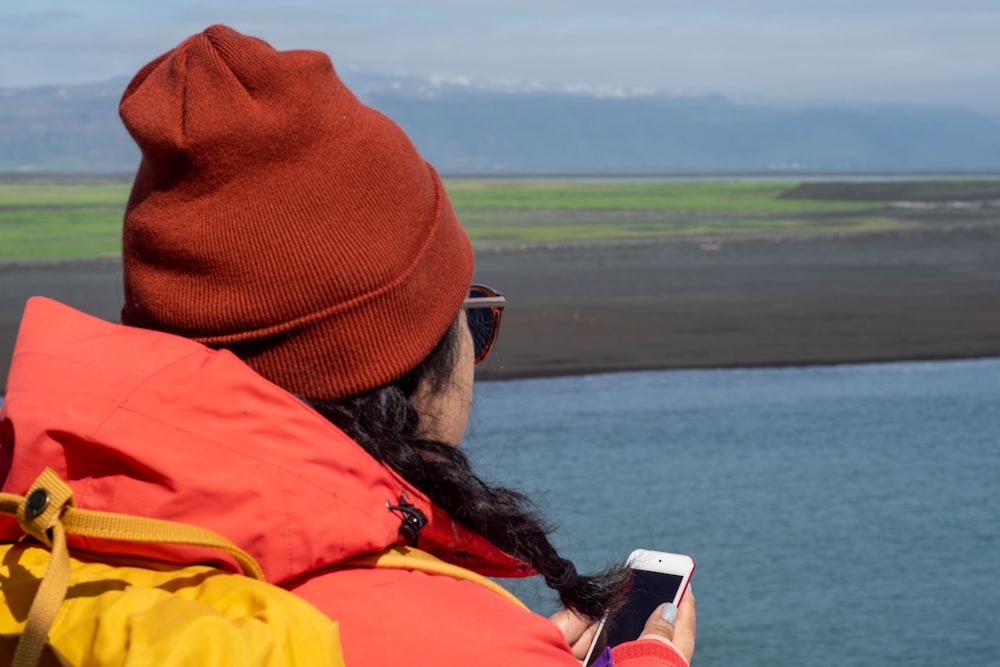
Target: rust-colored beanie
x: 275, y: 215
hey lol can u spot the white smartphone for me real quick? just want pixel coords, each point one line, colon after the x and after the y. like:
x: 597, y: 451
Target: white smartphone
x: 657, y: 577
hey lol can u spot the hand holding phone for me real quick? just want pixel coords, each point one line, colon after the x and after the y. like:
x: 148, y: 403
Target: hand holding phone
x: 657, y: 577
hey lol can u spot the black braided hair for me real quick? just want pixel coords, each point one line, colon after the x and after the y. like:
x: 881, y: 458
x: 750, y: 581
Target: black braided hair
x: 386, y: 424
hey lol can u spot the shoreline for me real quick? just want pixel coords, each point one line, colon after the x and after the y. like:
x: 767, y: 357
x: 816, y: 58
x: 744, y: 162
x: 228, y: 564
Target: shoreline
x: 904, y: 295
x: 930, y: 292
x: 503, y: 375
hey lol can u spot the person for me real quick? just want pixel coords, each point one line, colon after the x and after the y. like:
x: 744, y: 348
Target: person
x: 294, y: 370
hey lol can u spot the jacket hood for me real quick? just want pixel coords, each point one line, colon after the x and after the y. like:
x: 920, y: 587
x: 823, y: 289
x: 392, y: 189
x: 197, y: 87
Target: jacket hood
x: 146, y: 423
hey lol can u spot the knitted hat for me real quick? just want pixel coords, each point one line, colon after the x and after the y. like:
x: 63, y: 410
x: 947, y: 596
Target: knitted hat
x: 275, y: 215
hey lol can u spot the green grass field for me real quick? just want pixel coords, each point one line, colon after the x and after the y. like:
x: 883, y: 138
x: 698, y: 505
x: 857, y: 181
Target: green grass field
x: 57, y: 219
x: 715, y: 196
x: 41, y: 220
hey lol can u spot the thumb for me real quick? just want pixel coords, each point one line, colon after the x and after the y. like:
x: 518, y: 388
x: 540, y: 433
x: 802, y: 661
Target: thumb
x: 661, y: 622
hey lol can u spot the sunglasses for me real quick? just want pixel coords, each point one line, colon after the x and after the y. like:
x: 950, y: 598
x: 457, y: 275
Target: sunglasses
x: 483, y: 308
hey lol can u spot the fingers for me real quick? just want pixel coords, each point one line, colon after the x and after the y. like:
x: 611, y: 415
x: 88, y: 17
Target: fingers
x: 582, y: 645
x: 675, y: 624
x: 661, y: 622
x: 572, y: 626
x: 685, y: 625
x: 579, y: 632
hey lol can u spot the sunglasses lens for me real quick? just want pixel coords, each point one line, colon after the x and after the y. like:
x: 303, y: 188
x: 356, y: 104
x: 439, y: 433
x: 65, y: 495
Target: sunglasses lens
x: 480, y: 325
x: 483, y: 319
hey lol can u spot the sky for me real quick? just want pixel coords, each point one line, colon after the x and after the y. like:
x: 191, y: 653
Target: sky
x: 772, y: 52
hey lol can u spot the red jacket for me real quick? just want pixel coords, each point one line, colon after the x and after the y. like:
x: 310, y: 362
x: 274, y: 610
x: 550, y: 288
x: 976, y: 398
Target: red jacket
x: 156, y: 425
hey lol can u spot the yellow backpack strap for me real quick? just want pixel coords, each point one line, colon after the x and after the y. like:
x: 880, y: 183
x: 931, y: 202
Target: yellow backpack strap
x: 39, y: 515
x: 47, y: 514
x: 408, y: 558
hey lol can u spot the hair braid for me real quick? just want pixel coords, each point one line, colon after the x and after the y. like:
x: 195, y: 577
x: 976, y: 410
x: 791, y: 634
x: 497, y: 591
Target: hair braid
x: 385, y: 423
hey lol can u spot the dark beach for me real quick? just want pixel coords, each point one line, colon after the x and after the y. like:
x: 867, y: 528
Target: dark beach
x: 928, y: 292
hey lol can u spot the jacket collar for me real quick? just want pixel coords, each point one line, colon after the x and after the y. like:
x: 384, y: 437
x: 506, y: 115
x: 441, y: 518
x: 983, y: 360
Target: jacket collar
x: 146, y: 423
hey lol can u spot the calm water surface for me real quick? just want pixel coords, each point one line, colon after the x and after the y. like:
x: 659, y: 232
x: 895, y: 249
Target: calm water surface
x: 840, y: 515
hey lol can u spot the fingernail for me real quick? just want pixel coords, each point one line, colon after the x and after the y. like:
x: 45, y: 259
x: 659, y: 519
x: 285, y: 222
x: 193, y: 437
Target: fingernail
x: 669, y: 612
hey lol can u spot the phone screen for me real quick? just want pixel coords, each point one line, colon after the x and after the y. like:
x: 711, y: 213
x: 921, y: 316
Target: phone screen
x: 648, y: 591
x: 657, y: 577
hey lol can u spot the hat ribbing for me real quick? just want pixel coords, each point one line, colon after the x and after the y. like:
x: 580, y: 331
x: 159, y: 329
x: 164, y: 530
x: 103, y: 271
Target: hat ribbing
x: 275, y: 215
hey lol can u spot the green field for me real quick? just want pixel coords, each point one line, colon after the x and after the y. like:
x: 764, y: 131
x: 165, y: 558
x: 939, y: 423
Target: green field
x: 61, y: 218
x: 42, y: 219
x: 715, y: 196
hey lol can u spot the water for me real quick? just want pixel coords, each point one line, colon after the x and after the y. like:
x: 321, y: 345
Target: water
x: 838, y: 515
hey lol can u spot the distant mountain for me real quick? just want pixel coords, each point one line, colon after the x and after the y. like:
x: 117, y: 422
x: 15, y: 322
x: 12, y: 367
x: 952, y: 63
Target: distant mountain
x: 473, y: 127
x: 65, y: 129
